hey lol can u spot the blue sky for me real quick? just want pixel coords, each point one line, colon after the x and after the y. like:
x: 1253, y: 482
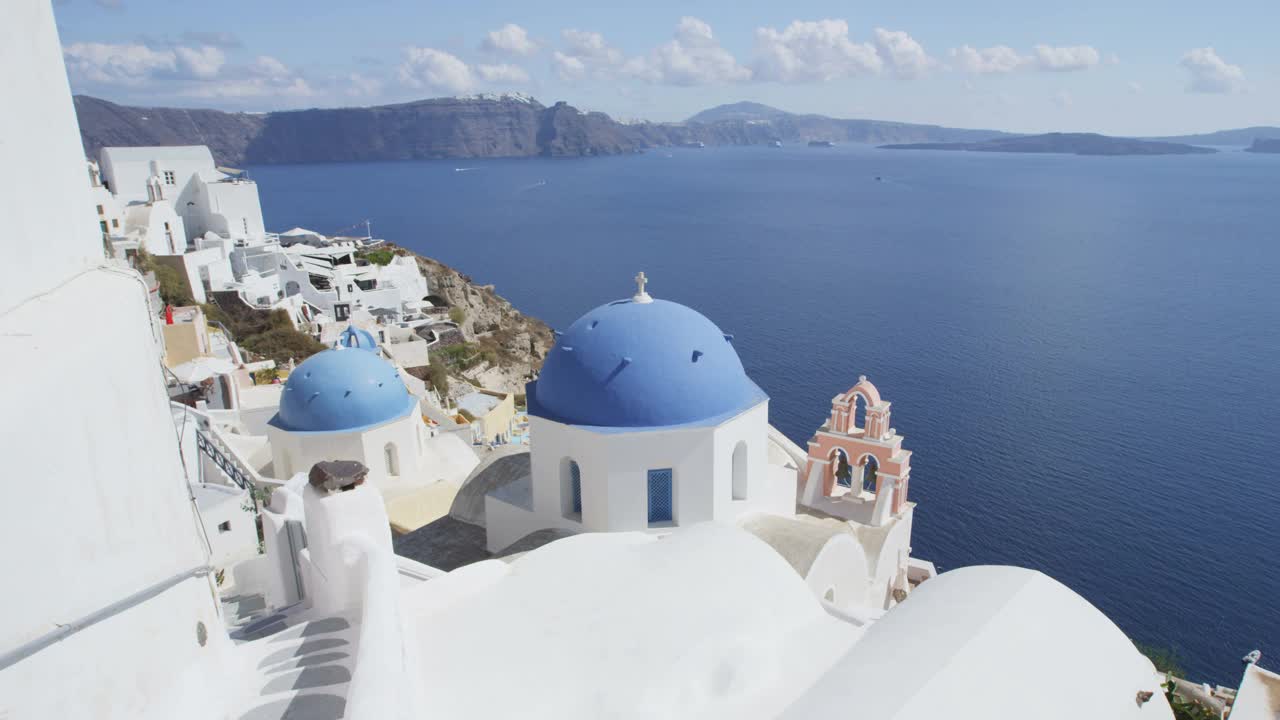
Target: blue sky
x: 1131, y: 67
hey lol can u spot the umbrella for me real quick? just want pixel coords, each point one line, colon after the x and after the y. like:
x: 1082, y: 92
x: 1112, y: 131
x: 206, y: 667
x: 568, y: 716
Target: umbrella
x: 202, y: 368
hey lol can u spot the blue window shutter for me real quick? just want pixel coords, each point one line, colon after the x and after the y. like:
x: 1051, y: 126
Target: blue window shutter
x: 575, y: 485
x: 660, y: 501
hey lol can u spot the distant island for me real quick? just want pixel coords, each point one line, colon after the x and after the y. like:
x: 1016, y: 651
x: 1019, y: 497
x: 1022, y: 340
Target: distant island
x: 1264, y: 145
x: 1064, y: 144
x: 515, y: 125
x: 468, y: 127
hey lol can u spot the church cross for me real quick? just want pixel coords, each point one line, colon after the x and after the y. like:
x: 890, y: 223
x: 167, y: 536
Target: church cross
x: 641, y: 296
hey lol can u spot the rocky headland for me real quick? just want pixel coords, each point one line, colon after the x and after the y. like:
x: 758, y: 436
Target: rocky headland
x: 499, y: 348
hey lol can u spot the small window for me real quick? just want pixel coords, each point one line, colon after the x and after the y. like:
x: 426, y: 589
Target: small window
x: 740, y: 471
x: 245, y: 222
x: 393, y: 461
x: 115, y: 222
x: 571, y: 488
x: 661, y: 504
x: 169, y: 178
x: 100, y: 212
x: 224, y: 527
x: 341, y: 311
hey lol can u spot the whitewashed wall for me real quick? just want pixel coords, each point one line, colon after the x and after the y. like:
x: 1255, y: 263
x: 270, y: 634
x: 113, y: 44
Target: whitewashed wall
x: 614, y: 470
x: 96, y: 508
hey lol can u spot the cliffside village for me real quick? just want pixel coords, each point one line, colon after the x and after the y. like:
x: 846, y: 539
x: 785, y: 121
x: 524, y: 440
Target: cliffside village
x: 171, y: 212
x: 329, y: 538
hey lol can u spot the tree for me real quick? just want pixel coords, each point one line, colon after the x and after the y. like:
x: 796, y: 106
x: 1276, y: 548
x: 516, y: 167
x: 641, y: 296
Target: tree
x: 438, y: 376
x: 173, y: 285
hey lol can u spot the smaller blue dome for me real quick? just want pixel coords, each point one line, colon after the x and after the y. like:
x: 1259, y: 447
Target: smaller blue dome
x: 354, y: 337
x: 339, y: 390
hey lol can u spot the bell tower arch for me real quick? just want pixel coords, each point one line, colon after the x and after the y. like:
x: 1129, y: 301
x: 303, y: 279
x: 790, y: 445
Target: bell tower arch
x: 857, y: 468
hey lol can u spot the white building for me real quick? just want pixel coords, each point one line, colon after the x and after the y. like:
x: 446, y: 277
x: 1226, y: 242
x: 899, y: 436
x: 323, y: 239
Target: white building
x: 174, y: 201
x: 643, y: 419
x: 334, y: 282
x: 208, y: 198
x: 114, y: 611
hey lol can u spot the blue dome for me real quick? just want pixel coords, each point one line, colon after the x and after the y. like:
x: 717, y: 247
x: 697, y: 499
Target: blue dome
x: 354, y: 337
x: 642, y: 365
x: 342, y: 390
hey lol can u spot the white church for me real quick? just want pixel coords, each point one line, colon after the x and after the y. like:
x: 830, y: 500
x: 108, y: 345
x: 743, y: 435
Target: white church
x: 644, y: 420
x: 671, y: 582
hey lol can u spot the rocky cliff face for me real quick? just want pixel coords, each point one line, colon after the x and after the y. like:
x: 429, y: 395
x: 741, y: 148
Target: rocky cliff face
x: 507, y: 126
x: 105, y: 124
x: 513, y: 343
x: 492, y: 126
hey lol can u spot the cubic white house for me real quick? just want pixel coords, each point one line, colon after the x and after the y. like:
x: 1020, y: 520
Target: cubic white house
x: 174, y: 201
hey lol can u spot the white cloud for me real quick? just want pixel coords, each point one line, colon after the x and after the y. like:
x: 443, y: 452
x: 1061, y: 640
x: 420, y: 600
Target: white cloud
x: 812, y: 50
x: 1066, y: 59
x: 358, y: 85
x: 692, y: 57
x: 267, y: 66
x: 504, y: 74
x: 590, y: 47
x: 134, y: 64
x: 986, y: 61
x: 266, y: 76
x: 434, y: 70
x: 510, y: 39
x: 901, y: 52
x: 1210, y: 73
x: 568, y: 67
x: 1000, y: 59
x: 585, y: 53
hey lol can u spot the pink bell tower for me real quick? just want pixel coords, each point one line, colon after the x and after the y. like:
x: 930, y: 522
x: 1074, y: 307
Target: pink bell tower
x: 872, y: 451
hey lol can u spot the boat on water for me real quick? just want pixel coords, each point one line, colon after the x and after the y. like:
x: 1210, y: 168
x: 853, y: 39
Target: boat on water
x: 695, y: 144
x: 821, y: 143
x: 1252, y: 658
x: 776, y: 143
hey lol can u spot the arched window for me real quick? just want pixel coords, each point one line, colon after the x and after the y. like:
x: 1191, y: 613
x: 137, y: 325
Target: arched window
x: 869, y: 469
x: 740, y: 471
x: 571, y: 488
x: 292, y: 288
x: 859, y: 419
x: 843, y: 470
x: 393, y: 459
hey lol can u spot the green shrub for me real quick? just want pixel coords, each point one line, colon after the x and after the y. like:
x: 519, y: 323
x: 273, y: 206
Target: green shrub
x: 379, y: 257
x: 438, y: 376
x: 457, y: 315
x: 282, y: 344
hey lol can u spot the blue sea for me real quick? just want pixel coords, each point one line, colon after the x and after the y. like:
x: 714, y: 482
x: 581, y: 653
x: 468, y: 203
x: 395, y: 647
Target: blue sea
x: 1083, y: 353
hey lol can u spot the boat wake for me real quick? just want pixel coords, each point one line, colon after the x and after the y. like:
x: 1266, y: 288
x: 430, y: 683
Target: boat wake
x: 465, y: 169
